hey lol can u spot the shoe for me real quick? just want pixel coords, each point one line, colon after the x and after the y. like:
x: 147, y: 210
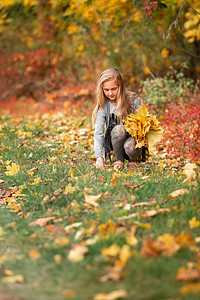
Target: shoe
x: 118, y: 165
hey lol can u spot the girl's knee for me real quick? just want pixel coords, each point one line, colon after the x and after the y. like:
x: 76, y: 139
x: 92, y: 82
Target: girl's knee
x: 118, y: 132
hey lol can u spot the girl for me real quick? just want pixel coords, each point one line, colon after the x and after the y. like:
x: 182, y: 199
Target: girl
x: 112, y: 98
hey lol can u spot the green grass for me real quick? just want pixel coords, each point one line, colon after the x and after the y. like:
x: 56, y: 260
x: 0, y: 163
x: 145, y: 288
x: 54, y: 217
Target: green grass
x: 45, y: 144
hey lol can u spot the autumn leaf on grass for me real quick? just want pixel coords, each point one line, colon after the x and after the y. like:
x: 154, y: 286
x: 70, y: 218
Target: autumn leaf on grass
x: 68, y: 293
x: 164, y: 245
x: 193, y: 288
x: 32, y: 171
x: 194, y: 223
x: 144, y: 127
x: 77, y: 252
x: 90, y: 199
x: 189, y: 172
x: 36, y: 180
x: 33, y: 254
x: 13, y: 279
x: 189, y: 274
x: 153, y: 212
x: 13, y: 169
x: 177, y: 193
x: 70, y: 227
x: 111, y: 251
x: 42, y: 221
x: 69, y: 189
x: 118, y: 294
x: 169, y: 245
x: 61, y: 241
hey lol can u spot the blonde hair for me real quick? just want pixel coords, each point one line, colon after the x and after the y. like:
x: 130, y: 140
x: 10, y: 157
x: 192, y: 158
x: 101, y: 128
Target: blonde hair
x: 123, y: 104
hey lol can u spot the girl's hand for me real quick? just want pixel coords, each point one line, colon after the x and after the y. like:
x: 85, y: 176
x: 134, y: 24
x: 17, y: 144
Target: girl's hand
x: 100, y: 163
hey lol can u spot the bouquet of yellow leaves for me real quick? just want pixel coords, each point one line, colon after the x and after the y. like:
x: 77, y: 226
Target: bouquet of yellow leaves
x: 144, y: 127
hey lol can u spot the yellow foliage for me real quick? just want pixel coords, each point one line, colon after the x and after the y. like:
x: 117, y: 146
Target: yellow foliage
x: 144, y: 127
x: 12, y: 170
x: 194, y: 223
x: 192, y: 25
x: 165, y: 53
x: 137, y: 17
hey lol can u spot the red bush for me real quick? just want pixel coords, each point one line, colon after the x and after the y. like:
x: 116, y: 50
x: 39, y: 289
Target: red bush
x: 182, y: 130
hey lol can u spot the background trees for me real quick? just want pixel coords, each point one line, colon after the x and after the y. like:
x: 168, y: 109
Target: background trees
x: 44, y: 40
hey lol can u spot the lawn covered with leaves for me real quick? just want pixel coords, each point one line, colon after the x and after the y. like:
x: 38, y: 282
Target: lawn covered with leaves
x: 68, y: 230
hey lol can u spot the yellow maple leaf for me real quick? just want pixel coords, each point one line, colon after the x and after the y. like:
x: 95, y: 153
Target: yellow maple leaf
x: 194, y: 223
x: 69, y: 189
x: 12, y: 170
x: 90, y: 199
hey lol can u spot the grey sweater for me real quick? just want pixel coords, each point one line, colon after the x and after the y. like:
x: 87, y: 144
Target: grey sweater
x: 102, y: 119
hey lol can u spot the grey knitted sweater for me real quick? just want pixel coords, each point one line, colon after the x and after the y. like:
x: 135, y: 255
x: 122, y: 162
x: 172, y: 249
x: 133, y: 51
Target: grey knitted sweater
x: 102, y: 119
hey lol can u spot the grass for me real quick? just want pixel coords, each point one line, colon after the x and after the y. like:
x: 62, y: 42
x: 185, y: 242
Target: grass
x: 61, y: 153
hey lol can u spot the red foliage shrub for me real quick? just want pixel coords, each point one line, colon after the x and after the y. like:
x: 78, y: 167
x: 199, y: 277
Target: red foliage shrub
x: 182, y: 130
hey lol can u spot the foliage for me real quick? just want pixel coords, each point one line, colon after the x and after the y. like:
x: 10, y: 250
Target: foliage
x: 144, y: 127
x: 173, y: 87
x: 182, y: 134
x: 77, y: 39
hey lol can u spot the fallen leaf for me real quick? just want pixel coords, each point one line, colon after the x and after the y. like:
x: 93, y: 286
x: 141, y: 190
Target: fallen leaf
x: 187, y: 274
x: 33, y: 254
x: 69, y: 189
x: 189, y: 172
x: 32, y: 171
x: 118, y: 294
x: 177, y: 193
x: 68, y: 294
x: 169, y: 245
x: 153, y: 212
x: 36, y: 180
x: 133, y: 186
x: 141, y: 204
x: 70, y: 227
x: 58, y: 258
x: 77, y: 252
x: 194, y: 223
x: 8, y: 272
x: 164, y: 245
x: 125, y: 254
x: 90, y: 199
x: 113, y: 250
x: 61, y: 241
x: 131, y: 240
x: 13, y: 169
x: 42, y: 221
x: 193, y: 288
x: 114, y: 180
x: 13, y: 279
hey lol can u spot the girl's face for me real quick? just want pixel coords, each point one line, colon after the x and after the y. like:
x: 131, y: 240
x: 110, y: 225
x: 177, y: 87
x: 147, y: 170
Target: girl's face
x: 111, y: 89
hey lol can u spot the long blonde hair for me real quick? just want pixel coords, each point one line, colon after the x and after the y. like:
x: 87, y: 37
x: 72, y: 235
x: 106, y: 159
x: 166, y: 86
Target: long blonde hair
x: 123, y: 104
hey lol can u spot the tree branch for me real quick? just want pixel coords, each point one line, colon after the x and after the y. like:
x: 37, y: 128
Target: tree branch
x: 175, y: 23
